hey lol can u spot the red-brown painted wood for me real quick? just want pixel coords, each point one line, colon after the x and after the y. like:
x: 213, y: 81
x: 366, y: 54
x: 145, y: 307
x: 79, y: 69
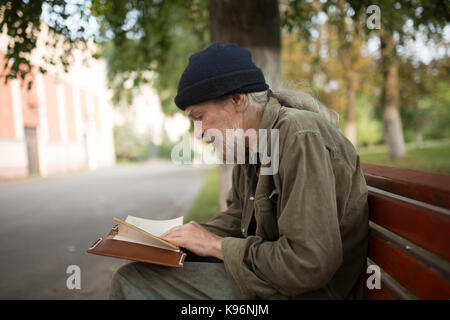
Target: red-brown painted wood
x: 423, y: 282
x: 432, y: 188
x: 378, y: 294
x: 426, y: 228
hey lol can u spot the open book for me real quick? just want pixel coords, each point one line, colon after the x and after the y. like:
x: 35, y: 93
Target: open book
x: 139, y: 239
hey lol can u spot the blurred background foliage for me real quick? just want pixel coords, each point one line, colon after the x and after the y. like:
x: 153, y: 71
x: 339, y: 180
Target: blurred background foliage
x: 146, y: 42
x: 326, y: 49
x: 129, y: 145
x: 132, y: 146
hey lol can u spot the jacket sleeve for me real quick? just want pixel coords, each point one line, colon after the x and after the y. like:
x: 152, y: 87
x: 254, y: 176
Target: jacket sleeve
x: 309, y: 249
x: 227, y: 223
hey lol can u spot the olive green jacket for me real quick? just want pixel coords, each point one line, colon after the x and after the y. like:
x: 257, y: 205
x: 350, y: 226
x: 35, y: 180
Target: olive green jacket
x: 311, y: 215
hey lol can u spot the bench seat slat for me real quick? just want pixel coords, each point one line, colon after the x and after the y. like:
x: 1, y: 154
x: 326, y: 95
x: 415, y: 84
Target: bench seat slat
x: 409, y: 272
x: 424, y: 227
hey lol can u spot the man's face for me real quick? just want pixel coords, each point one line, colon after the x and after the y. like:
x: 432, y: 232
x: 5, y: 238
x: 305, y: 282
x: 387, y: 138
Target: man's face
x: 213, y: 118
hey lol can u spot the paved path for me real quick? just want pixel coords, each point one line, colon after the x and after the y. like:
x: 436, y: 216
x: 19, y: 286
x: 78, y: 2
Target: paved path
x: 47, y: 224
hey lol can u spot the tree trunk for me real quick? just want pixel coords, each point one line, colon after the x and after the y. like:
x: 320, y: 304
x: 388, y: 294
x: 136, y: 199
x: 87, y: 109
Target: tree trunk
x: 350, y: 121
x: 348, y: 55
x: 393, y: 131
x: 419, y: 138
x: 254, y: 25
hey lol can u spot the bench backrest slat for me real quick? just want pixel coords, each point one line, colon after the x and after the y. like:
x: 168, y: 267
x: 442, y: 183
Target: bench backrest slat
x: 432, y: 188
x: 425, y: 227
x: 410, y: 232
x: 381, y: 294
x: 388, y: 291
x: 420, y: 279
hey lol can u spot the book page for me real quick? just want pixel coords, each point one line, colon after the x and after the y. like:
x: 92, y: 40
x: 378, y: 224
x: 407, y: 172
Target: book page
x: 127, y: 233
x: 154, y: 227
x: 147, y: 242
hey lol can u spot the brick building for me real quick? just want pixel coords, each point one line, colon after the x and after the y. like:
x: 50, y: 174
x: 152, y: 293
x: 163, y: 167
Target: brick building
x: 63, y: 123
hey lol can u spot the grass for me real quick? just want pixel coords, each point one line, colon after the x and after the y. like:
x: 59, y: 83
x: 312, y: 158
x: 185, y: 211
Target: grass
x: 207, y: 203
x: 434, y: 156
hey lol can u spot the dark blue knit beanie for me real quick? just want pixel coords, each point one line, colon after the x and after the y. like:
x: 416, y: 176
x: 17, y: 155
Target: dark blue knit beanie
x: 216, y: 71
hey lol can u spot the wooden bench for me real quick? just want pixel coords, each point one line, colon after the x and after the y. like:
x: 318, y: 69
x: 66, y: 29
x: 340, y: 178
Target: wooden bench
x: 409, y: 233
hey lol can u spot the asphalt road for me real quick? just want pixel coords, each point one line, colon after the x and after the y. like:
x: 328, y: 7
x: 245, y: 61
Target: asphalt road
x: 47, y: 224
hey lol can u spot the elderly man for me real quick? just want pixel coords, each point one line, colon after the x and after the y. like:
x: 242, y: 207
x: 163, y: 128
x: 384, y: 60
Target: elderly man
x: 297, y: 231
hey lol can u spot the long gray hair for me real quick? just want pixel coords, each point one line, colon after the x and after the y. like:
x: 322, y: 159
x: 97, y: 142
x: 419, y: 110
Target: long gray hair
x: 296, y: 99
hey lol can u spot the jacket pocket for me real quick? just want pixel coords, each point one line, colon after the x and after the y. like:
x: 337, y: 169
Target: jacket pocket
x: 266, y: 217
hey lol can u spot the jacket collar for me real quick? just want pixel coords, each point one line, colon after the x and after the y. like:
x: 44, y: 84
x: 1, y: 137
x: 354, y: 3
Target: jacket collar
x: 270, y: 114
x: 268, y: 121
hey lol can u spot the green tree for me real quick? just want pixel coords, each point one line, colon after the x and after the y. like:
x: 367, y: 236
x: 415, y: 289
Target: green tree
x: 369, y: 128
x: 424, y: 94
x: 143, y: 41
x: 352, y: 64
x: 148, y: 41
x: 333, y: 52
x: 400, y: 21
x: 129, y: 145
x: 21, y: 20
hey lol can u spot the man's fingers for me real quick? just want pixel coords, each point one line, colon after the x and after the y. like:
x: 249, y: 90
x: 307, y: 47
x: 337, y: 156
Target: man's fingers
x: 176, y: 235
x: 170, y: 234
x: 179, y: 240
x: 182, y: 228
x: 170, y: 231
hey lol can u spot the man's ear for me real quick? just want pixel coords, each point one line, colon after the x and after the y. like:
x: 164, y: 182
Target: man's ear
x: 238, y: 100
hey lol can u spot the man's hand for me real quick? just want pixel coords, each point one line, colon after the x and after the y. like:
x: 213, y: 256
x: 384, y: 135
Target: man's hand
x: 197, y: 239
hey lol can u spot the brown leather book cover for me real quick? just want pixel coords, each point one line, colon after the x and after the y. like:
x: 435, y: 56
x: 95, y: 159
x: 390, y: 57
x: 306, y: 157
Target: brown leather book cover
x: 137, y: 252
